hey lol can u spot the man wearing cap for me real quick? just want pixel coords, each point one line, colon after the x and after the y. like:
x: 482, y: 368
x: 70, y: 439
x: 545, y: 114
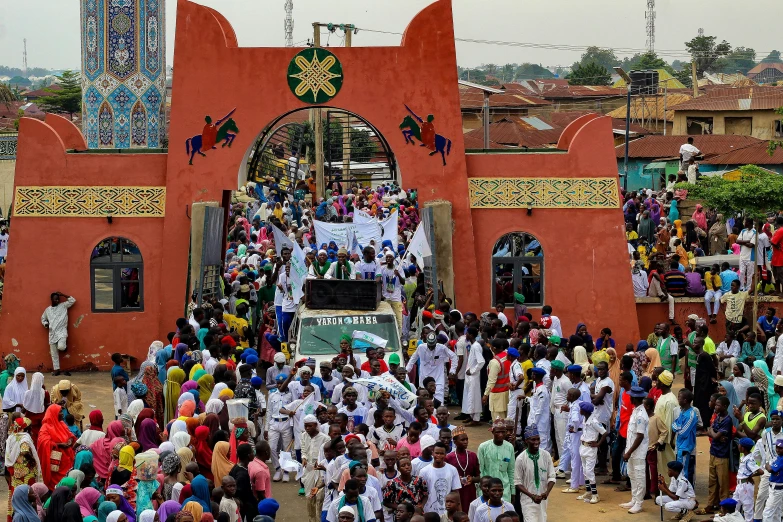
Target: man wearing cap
x: 328, y: 381
x: 534, y: 477
x: 303, y: 378
x: 766, y: 447
x: 748, y: 468
x: 540, y: 408
x: 277, y: 368
x: 342, y: 268
x: 496, y: 457
x: 665, y: 409
x: 391, y: 287
x: 559, y: 398
x: 729, y: 513
x: 516, y: 393
x: 471, y: 393
x: 278, y: 424
x: 774, y: 505
x: 351, y: 499
x: 557, y: 329
x: 593, y: 435
x: 575, y: 376
x: 636, y: 444
x: 433, y: 357
x: 679, y: 496
x: 312, y: 441
x: 498, y: 380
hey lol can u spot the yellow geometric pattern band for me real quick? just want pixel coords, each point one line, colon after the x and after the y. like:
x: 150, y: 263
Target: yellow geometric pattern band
x: 90, y: 201
x: 544, y: 193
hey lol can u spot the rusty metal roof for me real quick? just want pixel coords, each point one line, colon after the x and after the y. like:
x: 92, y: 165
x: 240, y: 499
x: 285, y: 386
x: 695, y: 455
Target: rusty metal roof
x: 735, y: 99
x: 470, y: 98
x: 755, y: 154
x: 510, y: 133
x: 656, y: 146
x: 652, y: 107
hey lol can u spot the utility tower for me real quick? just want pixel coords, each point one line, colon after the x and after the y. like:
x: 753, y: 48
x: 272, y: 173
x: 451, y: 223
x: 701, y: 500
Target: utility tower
x: 650, y: 16
x: 289, y: 23
x: 24, y: 57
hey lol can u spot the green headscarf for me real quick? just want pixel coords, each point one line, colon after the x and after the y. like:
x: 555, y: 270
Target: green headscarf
x: 83, y: 457
x: 519, y: 298
x: 104, y: 509
x: 67, y: 482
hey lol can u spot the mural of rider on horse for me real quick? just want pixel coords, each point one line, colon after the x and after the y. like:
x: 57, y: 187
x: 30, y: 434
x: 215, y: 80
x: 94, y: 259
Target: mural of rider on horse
x: 211, y: 135
x: 413, y: 126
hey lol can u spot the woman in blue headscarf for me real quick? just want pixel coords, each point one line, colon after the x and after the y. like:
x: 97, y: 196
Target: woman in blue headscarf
x: 161, y: 358
x: 180, y: 352
x: 730, y: 394
x: 640, y: 361
x: 674, y: 212
x: 23, y: 508
x: 201, y: 495
x: 766, y: 383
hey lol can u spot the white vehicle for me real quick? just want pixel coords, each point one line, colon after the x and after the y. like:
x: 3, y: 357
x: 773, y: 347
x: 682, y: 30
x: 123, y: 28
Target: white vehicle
x: 317, y: 333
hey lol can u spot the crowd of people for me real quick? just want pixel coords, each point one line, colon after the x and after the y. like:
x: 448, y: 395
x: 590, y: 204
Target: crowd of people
x: 221, y: 412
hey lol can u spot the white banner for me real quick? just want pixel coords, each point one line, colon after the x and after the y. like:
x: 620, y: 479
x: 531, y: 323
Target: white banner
x: 389, y: 227
x: 360, y: 216
x: 368, y: 337
x: 353, y: 245
x: 419, y: 247
x: 281, y: 240
x: 338, y: 232
x: 298, y: 272
x: 388, y: 383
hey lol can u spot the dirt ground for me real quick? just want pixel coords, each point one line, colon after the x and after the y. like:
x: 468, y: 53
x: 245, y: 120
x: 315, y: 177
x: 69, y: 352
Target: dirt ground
x: 96, y: 394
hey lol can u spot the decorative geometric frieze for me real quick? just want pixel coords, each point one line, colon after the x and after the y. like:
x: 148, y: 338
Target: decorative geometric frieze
x: 90, y: 201
x: 543, y: 193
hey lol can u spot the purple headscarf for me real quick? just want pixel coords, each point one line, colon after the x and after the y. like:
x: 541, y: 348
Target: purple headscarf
x: 148, y: 435
x: 124, y: 505
x: 168, y: 508
x: 179, y: 352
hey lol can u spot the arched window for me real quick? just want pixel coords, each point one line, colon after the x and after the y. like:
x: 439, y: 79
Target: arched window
x: 518, y: 267
x: 116, y: 275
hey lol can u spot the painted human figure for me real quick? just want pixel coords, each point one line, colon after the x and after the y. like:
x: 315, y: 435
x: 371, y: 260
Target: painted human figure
x: 209, y: 133
x: 428, y: 133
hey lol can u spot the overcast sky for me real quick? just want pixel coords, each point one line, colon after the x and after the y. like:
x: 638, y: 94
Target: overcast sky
x: 52, y: 26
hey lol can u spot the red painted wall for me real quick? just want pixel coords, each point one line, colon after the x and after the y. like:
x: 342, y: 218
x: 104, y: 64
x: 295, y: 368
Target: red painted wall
x: 586, y: 275
x: 53, y: 254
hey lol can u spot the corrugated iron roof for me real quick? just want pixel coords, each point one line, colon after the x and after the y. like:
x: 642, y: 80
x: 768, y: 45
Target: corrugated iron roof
x: 476, y: 141
x: 656, y: 146
x: 470, y: 98
x: 536, y: 123
x: 763, y: 67
x: 652, y: 107
x: 754, y: 154
x: 509, y: 133
x: 736, y: 99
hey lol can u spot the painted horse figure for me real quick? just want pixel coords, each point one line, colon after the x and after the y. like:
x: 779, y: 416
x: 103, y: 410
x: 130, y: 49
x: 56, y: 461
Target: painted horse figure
x: 413, y: 126
x: 226, y: 132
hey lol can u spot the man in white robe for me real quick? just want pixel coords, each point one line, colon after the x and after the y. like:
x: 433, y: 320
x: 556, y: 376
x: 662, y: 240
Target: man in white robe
x: 539, y: 408
x: 534, y: 477
x: 471, y: 395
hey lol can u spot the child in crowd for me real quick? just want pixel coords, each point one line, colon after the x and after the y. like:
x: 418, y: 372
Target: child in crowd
x: 120, y: 396
x: 679, y: 496
x: 574, y: 441
x: 70, y: 420
x: 655, y: 429
x: 748, y: 468
x: 593, y: 435
x: 684, y: 427
x: 728, y: 511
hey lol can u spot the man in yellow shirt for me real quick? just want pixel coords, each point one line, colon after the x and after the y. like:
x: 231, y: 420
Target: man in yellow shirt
x: 735, y: 307
x: 712, y: 296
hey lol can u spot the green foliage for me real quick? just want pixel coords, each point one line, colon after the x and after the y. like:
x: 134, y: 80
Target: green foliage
x: 773, y: 57
x: 706, y: 52
x: 741, y: 59
x: 19, y: 81
x: 68, y: 99
x: 757, y: 192
x: 684, y: 75
x: 532, y: 71
x: 677, y: 65
x: 363, y: 148
x: 7, y: 94
x: 590, y: 74
x: 603, y: 57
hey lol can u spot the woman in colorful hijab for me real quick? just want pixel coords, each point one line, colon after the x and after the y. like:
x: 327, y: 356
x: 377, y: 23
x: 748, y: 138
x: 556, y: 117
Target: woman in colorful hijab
x: 653, y: 361
x: 13, y: 397
x: 174, y: 381
x: 700, y: 217
x: 11, y: 364
x: 154, y: 397
x: 221, y: 465
x: 146, y: 477
x: 203, y: 451
x: 201, y: 495
x: 148, y: 435
x: 104, y: 508
x: 87, y: 499
x: 102, y: 455
x: 185, y: 457
x: 22, y: 509
x: 55, y: 446
x: 206, y: 383
x: 124, y: 470
x: 21, y: 458
x: 115, y: 494
x: 766, y: 383
x: 180, y: 351
x: 161, y: 358
x: 674, y: 212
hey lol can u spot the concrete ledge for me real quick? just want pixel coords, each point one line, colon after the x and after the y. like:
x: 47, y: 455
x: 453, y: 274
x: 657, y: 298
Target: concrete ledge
x: 655, y: 300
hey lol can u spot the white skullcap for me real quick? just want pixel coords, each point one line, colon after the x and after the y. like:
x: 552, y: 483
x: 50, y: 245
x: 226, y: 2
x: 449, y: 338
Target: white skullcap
x: 280, y: 357
x: 310, y: 418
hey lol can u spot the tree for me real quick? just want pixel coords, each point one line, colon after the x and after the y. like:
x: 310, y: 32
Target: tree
x: 741, y: 59
x: 677, y: 65
x: 590, y: 74
x: 757, y: 192
x: 68, y: 99
x: 705, y: 51
x: 684, y: 75
x: 532, y: 71
x: 7, y: 95
x: 19, y: 81
x: 507, y: 72
x: 649, y: 61
x: 773, y: 57
x: 363, y: 148
x: 603, y: 57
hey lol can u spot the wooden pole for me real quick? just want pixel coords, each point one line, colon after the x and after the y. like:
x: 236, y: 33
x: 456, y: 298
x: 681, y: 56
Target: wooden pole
x: 694, y: 79
x: 318, y: 132
x: 347, y: 123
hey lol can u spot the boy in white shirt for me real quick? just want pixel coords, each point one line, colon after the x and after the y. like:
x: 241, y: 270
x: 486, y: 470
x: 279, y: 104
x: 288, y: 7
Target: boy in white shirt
x: 593, y: 434
x: 679, y: 497
x: 748, y: 468
x: 636, y: 444
x: 573, y: 441
x: 727, y: 351
x: 120, y: 396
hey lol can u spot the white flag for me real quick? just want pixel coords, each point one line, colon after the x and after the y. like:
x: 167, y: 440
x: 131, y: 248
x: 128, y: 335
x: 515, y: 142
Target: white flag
x: 298, y: 272
x: 419, y: 247
x: 388, y: 383
x: 389, y: 229
x: 352, y: 245
x: 281, y: 240
x: 371, y: 338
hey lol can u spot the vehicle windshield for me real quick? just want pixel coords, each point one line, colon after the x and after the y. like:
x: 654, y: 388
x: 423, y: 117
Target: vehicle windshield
x: 331, y: 328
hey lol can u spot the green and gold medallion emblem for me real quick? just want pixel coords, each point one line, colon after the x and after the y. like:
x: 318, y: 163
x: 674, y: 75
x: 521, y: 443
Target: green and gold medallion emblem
x: 315, y: 75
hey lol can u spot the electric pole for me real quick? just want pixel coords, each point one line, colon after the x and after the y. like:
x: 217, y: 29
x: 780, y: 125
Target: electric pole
x: 24, y: 58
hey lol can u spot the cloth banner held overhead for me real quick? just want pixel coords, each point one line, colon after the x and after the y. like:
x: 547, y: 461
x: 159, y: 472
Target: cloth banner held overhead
x: 338, y: 232
x: 389, y: 227
x: 368, y: 337
x: 360, y: 216
x: 419, y: 247
x: 388, y: 383
x: 281, y: 240
x: 353, y: 245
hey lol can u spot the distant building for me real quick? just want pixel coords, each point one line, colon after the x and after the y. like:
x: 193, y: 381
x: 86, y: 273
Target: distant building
x: 513, y: 103
x: 743, y: 111
x: 766, y: 73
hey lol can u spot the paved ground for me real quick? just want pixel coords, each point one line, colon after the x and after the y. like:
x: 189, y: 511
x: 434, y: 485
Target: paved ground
x: 96, y: 394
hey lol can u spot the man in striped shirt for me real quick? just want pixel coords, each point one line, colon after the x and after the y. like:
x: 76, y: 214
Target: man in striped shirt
x: 675, y: 280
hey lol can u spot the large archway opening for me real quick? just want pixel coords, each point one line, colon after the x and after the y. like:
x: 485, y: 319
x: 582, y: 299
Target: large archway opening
x: 284, y: 152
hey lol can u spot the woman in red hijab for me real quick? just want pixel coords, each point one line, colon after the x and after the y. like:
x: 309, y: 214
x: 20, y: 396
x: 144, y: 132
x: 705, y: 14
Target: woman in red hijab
x: 55, y: 447
x: 203, y: 451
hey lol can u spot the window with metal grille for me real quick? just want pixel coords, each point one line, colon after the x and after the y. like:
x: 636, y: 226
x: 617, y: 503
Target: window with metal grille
x: 116, y: 276
x: 518, y: 268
